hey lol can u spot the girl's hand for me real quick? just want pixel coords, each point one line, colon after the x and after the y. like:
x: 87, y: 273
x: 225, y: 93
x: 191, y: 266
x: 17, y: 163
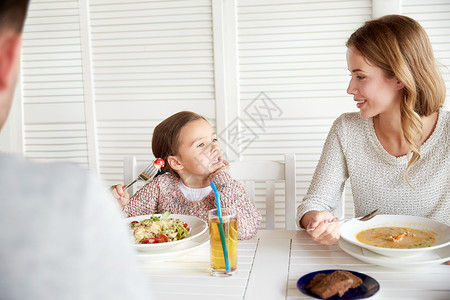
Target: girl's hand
x: 324, y: 233
x: 225, y: 167
x: 120, y: 195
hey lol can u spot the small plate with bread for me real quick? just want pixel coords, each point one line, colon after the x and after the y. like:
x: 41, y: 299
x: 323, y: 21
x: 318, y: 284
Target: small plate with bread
x: 338, y: 284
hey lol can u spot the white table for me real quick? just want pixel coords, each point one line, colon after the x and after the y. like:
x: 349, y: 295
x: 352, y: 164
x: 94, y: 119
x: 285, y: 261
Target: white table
x: 270, y: 265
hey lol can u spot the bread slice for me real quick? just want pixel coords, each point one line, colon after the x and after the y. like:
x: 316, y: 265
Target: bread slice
x: 338, y: 282
x: 316, y: 280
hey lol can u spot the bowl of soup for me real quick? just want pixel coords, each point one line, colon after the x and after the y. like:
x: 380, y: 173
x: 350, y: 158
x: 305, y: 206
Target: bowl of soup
x: 397, y: 235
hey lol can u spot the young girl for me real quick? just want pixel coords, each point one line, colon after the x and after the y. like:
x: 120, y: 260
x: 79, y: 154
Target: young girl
x: 188, y: 145
x: 395, y: 151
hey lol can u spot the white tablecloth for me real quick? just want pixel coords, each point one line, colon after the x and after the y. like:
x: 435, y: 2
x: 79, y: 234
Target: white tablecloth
x: 270, y: 265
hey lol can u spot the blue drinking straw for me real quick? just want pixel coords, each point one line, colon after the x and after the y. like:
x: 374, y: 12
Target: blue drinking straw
x: 220, y: 225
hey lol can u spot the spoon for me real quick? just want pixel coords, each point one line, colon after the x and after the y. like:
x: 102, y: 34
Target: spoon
x: 363, y: 218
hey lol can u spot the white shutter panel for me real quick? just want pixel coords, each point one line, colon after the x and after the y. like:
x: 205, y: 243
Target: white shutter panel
x: 54, y: 116
x: 151, y: 59
x: 294, y: 52
x: 434, y: 16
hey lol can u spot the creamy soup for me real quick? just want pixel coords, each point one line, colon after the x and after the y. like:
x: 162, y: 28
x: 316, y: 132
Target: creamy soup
x: 396, y: 237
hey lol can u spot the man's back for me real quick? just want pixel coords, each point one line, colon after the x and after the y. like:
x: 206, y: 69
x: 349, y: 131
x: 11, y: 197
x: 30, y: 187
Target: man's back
x: 61, y: 236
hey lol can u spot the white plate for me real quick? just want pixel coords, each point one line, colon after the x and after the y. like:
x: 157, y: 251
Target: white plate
x: 426, y: 259
x: 174, y: 252
x: 198, y: 227
x: 441, y: 232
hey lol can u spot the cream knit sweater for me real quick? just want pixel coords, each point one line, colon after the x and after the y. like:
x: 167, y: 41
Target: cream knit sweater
x: 353, y: 151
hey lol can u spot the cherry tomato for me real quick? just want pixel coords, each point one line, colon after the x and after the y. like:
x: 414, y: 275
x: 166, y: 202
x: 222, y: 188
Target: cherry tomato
x: 158, y: 163
x: 149, y: 241
x: 161, y: 238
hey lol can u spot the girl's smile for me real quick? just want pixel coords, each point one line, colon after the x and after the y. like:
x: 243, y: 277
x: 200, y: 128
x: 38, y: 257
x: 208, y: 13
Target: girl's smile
x: 199, y: 153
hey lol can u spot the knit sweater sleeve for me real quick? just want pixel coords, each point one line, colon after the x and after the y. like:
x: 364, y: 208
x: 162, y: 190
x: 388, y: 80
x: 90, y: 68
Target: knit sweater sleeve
x: 233, y: 195
x: 327, y: 185
x: 144, y: 201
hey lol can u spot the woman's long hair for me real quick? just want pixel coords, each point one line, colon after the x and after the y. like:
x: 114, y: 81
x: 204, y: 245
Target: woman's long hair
x: 400, y: 46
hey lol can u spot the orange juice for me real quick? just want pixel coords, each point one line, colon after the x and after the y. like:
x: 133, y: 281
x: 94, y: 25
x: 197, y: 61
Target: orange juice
x: 218, y: 267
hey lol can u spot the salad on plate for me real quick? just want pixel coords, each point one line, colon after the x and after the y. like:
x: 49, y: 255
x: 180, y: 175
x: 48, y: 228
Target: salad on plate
x: 159, y: 229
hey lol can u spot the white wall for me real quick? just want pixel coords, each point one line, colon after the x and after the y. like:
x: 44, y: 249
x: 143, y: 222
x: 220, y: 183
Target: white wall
x: 98, y: 75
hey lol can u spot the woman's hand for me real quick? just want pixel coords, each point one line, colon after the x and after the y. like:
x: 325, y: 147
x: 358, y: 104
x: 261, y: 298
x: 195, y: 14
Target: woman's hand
x: 324, y: 233
x: 120, y: 194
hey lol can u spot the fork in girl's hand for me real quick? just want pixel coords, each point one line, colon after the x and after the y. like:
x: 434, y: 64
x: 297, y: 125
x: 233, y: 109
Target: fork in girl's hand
x: 148, y: 173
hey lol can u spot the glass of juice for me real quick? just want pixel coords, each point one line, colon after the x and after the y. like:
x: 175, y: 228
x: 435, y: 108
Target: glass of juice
x: 229, y: 224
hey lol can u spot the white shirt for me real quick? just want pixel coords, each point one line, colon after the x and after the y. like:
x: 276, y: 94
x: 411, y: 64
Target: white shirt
x: 195, y: 194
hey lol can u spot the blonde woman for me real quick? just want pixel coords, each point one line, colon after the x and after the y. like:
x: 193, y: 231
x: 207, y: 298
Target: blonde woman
x: 395, y: 151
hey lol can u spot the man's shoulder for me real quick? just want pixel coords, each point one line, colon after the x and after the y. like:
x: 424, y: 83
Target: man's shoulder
x: 25, y: 177
x: 20, y: 163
